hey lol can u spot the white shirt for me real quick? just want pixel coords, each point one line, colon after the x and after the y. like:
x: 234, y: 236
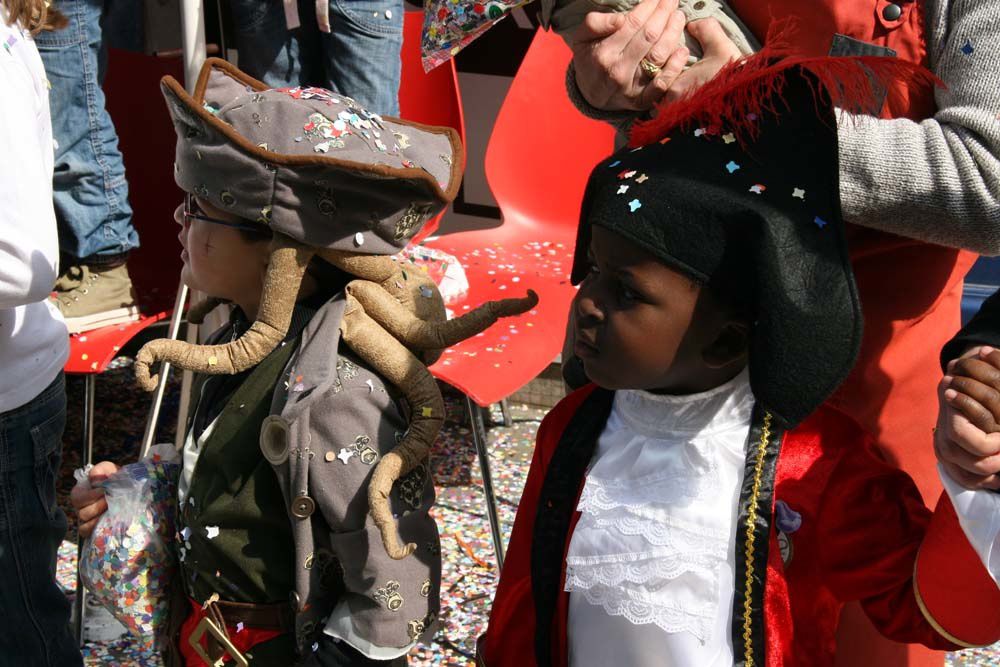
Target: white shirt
x: 33, y: 339
x: 651, y: 564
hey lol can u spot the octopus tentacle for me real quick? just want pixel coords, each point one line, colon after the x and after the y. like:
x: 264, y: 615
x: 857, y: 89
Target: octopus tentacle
x: 281, y: 285
x: 390, y: 359
x: 420, y: 334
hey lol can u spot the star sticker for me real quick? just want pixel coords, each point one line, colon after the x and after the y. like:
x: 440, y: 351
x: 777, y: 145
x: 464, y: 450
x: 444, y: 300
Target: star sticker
x: 345, y: 455
x: 627, y: 174
x: 426, y: 412
x: 799, y: 193
x: 634, y: 205
x: 968, y: 49
x: 732, y: 167
x: 642, y: 178
x: 820, y: 222
x: 728, y: 138
x: 622, y: 189
x: 758, y: 188
x: 212, y: 532
x: 700, y: 131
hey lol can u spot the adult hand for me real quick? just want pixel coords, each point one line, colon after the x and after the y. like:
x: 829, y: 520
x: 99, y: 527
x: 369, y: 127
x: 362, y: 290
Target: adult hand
x: 88, y: 501
x: 718, y: 52
x: 967, y: 437
x: 608, y: 48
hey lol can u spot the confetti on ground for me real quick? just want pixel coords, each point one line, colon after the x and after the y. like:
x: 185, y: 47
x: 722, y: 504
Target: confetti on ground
x: 467, y: 586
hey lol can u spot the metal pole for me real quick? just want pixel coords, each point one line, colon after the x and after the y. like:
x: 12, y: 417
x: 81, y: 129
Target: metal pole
x: 161, y: 387
x: 89, y: 387
x: 479, y: 438
x: 193, y: 41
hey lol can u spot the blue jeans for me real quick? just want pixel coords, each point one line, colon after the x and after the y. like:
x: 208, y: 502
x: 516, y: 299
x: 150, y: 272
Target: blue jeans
x: 90, y: 191
x: 35, y: 612
x: 358, y: 58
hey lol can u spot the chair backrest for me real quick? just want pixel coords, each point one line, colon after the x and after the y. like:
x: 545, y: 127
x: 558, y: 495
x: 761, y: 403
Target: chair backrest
x: 147, y: 140
x: 431, y: 98
x: 542, y: 148
x: 427, y: 97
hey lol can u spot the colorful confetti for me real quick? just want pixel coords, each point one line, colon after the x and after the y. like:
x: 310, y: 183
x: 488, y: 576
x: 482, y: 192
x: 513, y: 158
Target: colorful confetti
x: 732, y: 167
x: 127, y: 563
x: 451, y: 25
x: 634, y: 205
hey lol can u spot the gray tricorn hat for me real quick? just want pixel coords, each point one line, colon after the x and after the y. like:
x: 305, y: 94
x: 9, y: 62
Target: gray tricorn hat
x: 308, y: 163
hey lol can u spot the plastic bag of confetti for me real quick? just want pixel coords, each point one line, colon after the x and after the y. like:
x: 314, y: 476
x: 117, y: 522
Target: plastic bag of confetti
x: 127, y: 563
x: 444, y: 269
x: 451, y: 25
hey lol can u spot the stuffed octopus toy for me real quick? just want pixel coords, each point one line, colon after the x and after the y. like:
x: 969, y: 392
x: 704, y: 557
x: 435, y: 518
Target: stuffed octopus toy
x: 395, y: 319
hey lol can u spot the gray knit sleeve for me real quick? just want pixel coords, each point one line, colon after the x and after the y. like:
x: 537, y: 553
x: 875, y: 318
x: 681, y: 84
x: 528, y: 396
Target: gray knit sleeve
x: 937, y: 180
x: 620, y: 120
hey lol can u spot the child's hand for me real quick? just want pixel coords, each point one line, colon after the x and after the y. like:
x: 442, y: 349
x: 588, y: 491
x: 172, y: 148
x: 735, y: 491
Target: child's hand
x: 967, y: 437
x: 89, y: 501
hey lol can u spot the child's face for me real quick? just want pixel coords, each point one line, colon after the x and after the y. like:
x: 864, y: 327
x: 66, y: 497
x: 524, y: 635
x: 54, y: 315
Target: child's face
x: 219, y: 260
x: 642, y: 325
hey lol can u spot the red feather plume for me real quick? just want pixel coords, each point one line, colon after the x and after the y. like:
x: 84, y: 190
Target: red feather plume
x: 752, y: 86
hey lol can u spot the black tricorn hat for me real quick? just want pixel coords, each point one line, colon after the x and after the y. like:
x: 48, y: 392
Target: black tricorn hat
x: 743, y: 180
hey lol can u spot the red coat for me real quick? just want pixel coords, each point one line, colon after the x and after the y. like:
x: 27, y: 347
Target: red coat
x: 864, y: 534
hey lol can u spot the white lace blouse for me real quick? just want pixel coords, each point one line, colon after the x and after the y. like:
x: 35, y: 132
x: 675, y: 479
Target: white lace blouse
x: 650, y: 569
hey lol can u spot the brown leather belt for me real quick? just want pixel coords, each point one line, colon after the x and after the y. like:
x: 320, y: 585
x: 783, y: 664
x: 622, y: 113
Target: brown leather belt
x: 278, y: 617
x: 219, y: 614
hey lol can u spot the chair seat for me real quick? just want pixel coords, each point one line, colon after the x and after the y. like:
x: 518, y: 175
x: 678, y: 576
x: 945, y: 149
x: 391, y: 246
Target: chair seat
x: 92, y: 351
x: 503, y: 263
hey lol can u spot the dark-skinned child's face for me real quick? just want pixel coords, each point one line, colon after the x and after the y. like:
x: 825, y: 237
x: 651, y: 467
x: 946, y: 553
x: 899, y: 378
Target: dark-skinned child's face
x: 642, y: 325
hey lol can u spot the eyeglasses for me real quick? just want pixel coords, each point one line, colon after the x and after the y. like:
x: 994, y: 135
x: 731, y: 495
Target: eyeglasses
x: 193, y: 212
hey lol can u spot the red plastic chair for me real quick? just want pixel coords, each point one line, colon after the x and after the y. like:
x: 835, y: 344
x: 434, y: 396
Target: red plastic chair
x: 431, y: 98
x: 146, y: 139
x: 537, y: 162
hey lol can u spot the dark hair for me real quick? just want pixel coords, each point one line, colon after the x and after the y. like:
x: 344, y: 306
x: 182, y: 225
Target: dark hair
x: 264, y: 234
x: 732, y: 291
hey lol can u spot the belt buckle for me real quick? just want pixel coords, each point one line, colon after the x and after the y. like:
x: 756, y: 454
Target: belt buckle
x: 207, y: 625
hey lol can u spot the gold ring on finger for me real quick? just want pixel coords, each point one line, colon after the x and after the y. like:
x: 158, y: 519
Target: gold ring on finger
x: 648, y: 68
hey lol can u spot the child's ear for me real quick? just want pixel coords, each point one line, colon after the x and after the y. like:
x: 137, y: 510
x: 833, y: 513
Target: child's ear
x: 730, y: 345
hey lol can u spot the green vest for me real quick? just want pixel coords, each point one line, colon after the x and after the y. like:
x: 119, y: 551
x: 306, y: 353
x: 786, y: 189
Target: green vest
x: 234, y: 526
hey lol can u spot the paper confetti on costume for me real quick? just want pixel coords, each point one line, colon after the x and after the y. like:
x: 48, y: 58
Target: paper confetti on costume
x: 451, y: 25
x: 127, y: 562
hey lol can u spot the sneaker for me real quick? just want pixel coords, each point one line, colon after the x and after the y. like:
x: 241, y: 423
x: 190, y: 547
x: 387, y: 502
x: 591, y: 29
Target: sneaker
x: 94, y: 297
